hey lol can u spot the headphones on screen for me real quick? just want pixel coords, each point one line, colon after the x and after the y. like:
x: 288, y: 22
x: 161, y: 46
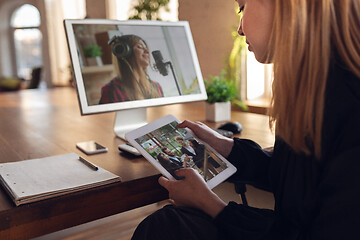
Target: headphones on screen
x: 120, y: 48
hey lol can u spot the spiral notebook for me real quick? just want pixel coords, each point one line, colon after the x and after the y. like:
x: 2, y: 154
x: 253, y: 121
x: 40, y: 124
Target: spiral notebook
x: 37, y: 179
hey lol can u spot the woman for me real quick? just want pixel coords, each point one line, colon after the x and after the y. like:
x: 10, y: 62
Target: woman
x: 314, y: 169
x: 132, y: 81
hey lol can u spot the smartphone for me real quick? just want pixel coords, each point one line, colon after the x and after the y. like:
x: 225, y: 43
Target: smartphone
x: 91, y: 147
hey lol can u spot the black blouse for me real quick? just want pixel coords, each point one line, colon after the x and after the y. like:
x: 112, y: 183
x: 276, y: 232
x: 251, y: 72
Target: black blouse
x: 314, y: 199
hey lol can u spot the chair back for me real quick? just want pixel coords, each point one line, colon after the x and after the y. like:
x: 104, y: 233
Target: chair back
x: 35, y: 78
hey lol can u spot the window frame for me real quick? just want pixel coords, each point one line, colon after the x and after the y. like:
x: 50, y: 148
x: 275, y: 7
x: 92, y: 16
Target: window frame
x: 12, y: 30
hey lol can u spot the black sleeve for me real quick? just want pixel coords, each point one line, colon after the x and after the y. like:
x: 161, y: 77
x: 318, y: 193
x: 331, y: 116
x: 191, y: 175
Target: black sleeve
x: 335, y: 213
x: 337, y: 209
x: 252, y: 163
x: 237, y: 221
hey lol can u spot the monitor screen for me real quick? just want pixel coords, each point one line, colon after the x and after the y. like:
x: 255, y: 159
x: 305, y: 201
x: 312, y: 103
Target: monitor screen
x: 126, y: 65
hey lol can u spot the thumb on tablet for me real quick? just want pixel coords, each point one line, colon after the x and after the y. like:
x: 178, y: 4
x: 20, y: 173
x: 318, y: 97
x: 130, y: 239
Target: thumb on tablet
x: 163, y: 181
x: 185, y: 172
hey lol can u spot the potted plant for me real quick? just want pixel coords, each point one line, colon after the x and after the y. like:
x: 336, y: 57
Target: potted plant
x: 149, y: 9
x: 93, y: 52
x: 220, y: 92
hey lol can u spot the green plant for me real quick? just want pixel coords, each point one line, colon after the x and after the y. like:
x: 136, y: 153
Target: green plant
x: 92, y: 50
x: 149, y: 9
x: 219, y: 88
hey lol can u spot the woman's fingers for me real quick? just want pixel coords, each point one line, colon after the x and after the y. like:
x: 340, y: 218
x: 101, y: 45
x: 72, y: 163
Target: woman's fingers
x: 192, y: 125
x: 182, y: 172
x: 163, y: 181
x: 220, y: 143
x: 188, y: 173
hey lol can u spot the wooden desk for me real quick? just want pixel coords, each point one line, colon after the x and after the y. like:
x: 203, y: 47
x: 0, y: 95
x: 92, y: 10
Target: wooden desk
x: 38, y: 123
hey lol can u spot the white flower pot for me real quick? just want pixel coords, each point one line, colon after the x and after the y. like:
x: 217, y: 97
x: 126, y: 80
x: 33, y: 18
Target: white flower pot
x: 218, y: 112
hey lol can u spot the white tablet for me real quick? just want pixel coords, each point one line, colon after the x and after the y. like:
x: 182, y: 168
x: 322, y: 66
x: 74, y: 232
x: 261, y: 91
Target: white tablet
x: 169, y: 148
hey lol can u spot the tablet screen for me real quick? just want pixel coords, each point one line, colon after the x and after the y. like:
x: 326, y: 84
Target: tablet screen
x: 171, y: 147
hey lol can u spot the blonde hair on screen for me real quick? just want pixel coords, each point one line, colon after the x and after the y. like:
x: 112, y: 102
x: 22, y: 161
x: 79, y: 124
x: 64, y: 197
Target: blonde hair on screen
x: 137, y: 86
x: 304, y: 38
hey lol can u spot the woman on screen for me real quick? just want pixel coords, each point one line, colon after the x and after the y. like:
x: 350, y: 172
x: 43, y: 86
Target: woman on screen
x: 313, y: 170
x: 130, y: 55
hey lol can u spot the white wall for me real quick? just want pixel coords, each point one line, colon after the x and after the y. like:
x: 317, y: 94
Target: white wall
x: 211, y: 23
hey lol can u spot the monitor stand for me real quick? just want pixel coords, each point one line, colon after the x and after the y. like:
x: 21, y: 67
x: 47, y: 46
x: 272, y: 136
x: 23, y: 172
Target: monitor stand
x: 128, y: 120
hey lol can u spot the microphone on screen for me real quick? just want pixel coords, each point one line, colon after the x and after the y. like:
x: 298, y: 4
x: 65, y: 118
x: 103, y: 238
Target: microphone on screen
x: 160, y: 65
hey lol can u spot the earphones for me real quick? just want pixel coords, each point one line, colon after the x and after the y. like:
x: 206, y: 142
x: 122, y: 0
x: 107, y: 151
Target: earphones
x: 122, y: 51
x: 120, y: 48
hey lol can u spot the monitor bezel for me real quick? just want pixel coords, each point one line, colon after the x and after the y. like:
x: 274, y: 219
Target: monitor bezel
x: 112, y: 107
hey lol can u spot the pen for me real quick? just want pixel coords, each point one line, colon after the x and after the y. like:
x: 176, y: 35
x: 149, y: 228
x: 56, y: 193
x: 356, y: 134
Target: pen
x: 89, y: 164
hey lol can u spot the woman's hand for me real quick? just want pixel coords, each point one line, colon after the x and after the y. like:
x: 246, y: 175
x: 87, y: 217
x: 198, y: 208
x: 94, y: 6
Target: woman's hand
x: 192, y: 191
x: 221, y: 144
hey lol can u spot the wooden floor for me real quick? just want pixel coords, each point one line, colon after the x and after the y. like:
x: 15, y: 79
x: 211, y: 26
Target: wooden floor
x: 119, y: 227
x: 122, y: 226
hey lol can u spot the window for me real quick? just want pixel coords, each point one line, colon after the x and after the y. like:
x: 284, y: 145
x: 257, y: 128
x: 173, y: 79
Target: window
x: 258, y: 79
x: 25, y: 23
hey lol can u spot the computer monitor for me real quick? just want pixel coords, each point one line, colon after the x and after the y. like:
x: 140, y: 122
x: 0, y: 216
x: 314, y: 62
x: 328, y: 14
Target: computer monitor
x: 127, y: 66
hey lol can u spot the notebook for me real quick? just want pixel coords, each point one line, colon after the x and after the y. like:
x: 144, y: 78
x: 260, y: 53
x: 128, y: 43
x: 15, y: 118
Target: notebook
x: 37, y: 179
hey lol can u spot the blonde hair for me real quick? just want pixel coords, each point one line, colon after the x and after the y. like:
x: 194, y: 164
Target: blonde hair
x: 304, y: 38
